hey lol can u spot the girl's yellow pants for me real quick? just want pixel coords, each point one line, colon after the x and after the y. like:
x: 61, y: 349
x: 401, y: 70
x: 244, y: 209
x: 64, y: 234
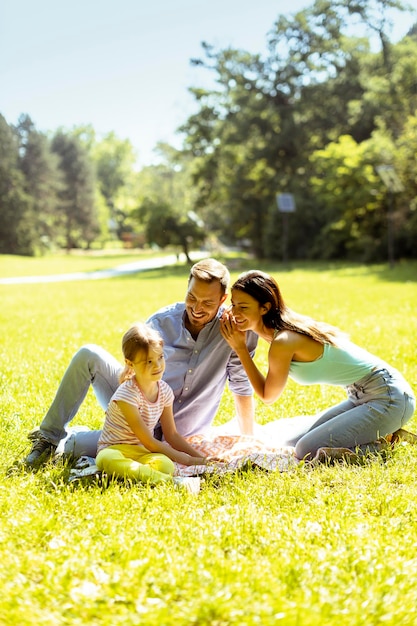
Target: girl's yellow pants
x: 135, y: 463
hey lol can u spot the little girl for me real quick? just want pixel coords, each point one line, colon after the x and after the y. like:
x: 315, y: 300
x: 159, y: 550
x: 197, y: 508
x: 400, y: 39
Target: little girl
x: 127, y: 447
x: 379, y: 400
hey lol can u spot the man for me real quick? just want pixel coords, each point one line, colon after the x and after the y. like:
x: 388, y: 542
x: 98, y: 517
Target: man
x: 199, y: 362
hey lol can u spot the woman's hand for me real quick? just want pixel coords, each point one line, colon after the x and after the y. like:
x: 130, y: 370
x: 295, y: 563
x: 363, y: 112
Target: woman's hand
x: 230, y: 332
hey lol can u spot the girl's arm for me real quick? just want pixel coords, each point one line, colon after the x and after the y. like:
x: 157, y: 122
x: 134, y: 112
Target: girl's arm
x: 142, y: 432
x: 178, y: 442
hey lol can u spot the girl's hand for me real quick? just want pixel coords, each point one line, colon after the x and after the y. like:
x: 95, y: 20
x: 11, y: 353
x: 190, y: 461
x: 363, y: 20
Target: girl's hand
x: 215, y: 460
x: 195, y: 460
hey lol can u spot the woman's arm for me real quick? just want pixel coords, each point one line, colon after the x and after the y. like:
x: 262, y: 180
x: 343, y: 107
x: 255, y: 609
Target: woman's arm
x: 142, y: 432
x: 268, y: 388
x: 280, y: 356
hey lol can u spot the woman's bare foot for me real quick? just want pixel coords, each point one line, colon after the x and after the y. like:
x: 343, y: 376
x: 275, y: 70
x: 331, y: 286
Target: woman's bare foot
x: 402, y: 435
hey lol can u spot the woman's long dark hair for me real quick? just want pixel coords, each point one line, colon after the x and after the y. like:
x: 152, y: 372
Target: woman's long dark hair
x: 264, y: 289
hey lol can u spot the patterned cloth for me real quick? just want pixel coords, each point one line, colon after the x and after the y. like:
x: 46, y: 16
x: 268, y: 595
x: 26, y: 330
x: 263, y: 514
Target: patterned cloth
x: 234, y: 452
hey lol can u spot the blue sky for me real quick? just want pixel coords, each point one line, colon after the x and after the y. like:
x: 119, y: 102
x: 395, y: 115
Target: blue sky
x: 121, y: 65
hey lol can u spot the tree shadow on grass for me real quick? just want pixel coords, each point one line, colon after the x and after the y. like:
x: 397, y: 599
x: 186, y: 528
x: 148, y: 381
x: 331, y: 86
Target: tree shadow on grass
x: 402, y: 272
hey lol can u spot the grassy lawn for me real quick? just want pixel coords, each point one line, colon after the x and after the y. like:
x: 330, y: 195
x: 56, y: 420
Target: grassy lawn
x: 329, y: 545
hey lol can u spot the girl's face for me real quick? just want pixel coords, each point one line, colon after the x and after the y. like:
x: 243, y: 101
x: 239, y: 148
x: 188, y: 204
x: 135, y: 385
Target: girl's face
x: 247, y: 311
x: 148, y: 366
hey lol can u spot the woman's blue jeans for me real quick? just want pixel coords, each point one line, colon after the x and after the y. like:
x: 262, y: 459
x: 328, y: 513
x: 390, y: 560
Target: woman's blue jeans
x: 376, y: 406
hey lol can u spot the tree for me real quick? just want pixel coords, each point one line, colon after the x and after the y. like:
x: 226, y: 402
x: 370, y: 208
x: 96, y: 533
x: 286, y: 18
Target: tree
x: 405, y: 165
x: 236, y: 142
x: 349, y: 193
x: 43, y: 179
x: 77, y: 214
x: 256, y: 129
x: 114, y: 164
x: 114, y: 161
x: 16, y: 227
x: 166, y: 226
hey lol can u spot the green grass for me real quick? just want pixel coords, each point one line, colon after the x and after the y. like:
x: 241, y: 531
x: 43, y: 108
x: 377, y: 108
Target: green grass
x: 330, y: 545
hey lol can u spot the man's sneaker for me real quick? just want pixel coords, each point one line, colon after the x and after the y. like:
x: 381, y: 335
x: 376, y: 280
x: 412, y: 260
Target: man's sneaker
x: 42, y: 450
x: 189, y: 483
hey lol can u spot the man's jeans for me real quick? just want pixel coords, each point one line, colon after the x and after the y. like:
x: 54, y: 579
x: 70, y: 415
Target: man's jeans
x: 91, y: 365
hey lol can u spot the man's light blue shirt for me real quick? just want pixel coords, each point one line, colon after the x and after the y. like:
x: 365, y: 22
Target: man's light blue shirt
x: 197, y: 369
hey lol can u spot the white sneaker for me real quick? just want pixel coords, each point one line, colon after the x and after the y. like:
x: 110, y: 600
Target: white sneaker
x: 89, y: 472
x: 189, y: 483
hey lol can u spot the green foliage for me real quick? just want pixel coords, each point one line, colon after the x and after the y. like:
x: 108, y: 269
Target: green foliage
x: 258, y: 129
x: 14, y: 203
x: 44, y: 182
x: 346, y: 182
x: 405, y: 165
x: 166, y: 199
x: 77, y: 216
x: 165, y: 226
x: 69, y: 191
x: 114, y: 161
x: 328, y: 545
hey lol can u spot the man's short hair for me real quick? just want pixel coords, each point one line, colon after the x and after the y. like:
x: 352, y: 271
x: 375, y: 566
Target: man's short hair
x: 209, y: 270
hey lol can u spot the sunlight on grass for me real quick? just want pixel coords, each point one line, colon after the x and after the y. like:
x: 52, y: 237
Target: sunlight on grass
x: 330, y: 545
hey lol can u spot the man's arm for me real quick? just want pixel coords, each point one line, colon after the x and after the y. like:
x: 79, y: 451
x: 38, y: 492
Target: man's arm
x: 241, y: 388
x: 245, y: 411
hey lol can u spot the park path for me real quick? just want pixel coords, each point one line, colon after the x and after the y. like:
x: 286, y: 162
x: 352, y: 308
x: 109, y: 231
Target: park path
x: 119, y: 270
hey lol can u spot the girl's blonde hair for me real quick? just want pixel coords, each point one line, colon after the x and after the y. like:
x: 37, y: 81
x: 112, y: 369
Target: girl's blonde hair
x: 139, y: 337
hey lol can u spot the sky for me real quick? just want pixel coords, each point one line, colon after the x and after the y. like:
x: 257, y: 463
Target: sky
x: 122, y: 66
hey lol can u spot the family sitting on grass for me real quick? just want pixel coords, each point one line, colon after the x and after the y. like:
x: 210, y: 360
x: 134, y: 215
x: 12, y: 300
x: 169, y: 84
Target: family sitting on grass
x: 177, y: 366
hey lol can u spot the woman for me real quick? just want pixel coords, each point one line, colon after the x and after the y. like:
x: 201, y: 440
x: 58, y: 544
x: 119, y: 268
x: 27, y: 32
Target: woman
x: 379, y: 400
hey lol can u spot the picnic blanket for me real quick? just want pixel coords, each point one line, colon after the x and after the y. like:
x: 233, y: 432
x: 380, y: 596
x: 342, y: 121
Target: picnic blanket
x: 235, y: 452
x: 232, y: 453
